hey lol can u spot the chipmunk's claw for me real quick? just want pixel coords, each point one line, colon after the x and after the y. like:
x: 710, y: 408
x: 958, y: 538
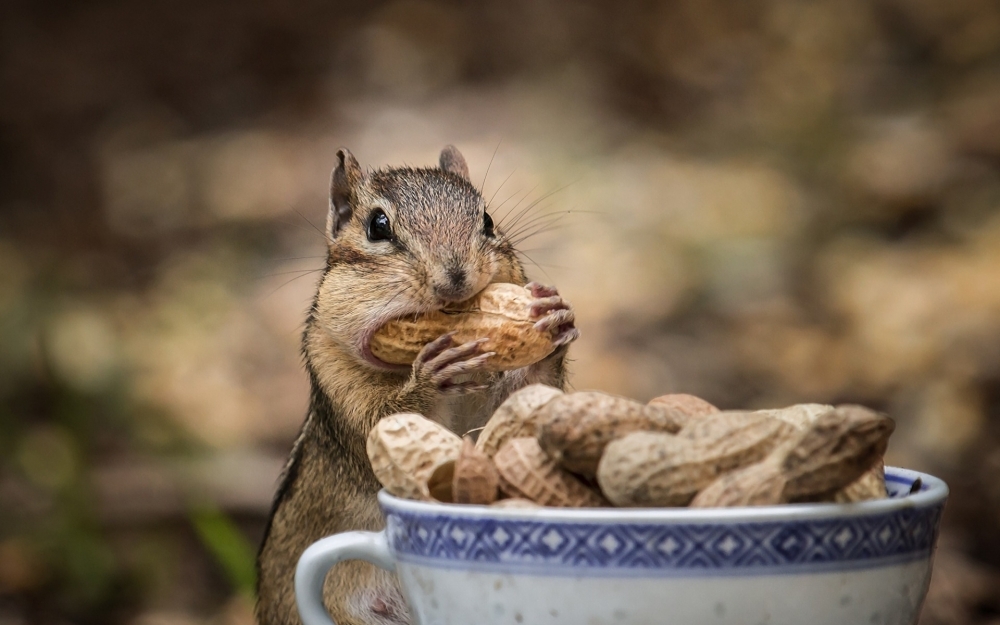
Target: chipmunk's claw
x: 439, y: 362
x: 566, y: 336
x: 554, y: 314
x: 541, y: 290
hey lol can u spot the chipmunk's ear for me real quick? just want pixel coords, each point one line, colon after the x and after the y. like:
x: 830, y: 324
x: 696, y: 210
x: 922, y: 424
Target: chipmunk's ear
x: 453, y: 161
x: 345, y: 178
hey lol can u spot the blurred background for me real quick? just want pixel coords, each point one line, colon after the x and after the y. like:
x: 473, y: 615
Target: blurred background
x: 761, y: 203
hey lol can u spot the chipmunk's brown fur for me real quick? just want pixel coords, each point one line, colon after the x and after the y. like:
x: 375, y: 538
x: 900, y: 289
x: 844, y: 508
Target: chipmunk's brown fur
x: 441, y: 248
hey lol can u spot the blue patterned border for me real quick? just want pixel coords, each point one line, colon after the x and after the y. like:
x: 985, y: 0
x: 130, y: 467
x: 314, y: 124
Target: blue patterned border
x: 663, y: 549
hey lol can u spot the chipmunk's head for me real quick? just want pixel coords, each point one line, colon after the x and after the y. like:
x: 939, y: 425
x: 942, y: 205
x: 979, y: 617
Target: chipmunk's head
x: 404, y: 241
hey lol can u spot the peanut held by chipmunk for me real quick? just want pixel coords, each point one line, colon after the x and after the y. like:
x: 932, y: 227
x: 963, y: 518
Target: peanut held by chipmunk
x: 592, y: 449
x: 423, y: 324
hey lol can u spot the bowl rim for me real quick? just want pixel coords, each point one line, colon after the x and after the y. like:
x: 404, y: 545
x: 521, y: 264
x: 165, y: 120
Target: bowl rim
x: 933, y: 492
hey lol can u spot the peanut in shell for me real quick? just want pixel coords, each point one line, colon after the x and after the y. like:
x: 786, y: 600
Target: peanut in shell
x: 799, y: 415
x: 690, y: 406
x: 439, y: 484
x: 575, y: 428
x: 871, y: 485
x: 475, y: 479
x: 837, y: 449
x: 501, y: 313
x: 526, y: 472
x: 759, y: 484
x: 516, y: 417
x: 515, y: 502
x: 412, y: 455
x: 648, y: 469
x: 840, y: 447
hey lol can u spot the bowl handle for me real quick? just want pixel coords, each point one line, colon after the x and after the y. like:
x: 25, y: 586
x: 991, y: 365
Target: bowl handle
x: 319, y: 558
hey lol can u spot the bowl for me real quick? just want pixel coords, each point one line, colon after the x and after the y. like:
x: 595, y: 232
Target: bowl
x: 818, y: 564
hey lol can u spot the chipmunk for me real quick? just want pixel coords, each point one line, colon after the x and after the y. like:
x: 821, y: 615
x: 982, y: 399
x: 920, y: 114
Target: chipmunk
x: 400, y: 241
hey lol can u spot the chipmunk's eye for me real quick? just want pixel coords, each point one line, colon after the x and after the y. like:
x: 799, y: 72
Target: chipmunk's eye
x: 487, y: 224
x: 378, y: 226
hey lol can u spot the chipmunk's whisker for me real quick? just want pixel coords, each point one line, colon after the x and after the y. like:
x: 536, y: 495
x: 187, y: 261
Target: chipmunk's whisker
x: 538, y: 224
x: 317, y: 229
x: 488, y: 207
x: 304, y: 274
x: 540, y: 218
x: 503, y: 221
x: 297, y: 258
x: 285, y: 273
x: 490, y: 164
x: 525, y: 237
x: 500, y: 205
x: 536, y: 202
x: 542, y: 265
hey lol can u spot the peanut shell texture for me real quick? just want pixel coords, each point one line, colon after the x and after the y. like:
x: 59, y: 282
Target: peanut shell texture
x: 689, y: 406
x: 501, y: 313
x: 475, y: 479
x: 838, y: 448
x: 526, y: 472
x: 516, y: 417
x: 575, y: 428
x: 838, y: 458
x: 871, y: 485
x: 760, y: 484
x: 799, y: 415
x: 407, y: 450
x: 649, y: 469
x: 515, y: 502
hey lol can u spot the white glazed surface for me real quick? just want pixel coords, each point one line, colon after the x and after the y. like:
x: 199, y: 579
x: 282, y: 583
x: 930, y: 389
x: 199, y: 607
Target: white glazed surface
x: 815, y: 564
x: 879, y: 596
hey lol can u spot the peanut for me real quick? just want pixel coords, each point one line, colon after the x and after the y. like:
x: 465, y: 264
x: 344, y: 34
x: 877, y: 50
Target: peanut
x: 871, y: 485
x: 514, y: 502
x: 647, y: 469
x: 835, y: 451
x: 475, y: 478
x: 412, y: 455
x: 527, y: 472
x: 515, y: 417
x: 500, y: 313
x: 799, y: 415
x: 759, y: 484
x: 688, y: 405
x: 575, y: 428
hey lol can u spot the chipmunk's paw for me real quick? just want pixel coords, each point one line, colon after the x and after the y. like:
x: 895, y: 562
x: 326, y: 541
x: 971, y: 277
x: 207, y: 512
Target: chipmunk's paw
x: 441, y: 360
x: 554, y: 314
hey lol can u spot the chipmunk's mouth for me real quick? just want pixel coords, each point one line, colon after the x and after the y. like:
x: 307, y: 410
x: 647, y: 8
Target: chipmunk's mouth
x: 365, y: 347
x: 365, y: 342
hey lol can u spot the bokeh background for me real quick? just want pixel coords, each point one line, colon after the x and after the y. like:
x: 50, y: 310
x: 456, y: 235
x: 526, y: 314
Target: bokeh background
x: 761, y: 202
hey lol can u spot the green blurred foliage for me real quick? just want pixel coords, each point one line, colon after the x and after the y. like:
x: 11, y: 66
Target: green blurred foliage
x: 228, y: 545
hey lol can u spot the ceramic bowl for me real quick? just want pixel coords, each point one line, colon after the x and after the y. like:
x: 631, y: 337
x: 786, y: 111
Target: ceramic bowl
x: 818, y: 564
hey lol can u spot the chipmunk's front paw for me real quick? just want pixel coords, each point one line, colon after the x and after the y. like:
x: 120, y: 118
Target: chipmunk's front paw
x: 441, y: 360
x: 554, y: 314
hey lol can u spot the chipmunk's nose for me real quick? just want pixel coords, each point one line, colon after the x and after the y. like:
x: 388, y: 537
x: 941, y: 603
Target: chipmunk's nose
x: 455, y: 287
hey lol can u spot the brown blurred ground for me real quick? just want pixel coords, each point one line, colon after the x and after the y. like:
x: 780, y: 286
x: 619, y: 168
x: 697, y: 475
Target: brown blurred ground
x: 771, y: 201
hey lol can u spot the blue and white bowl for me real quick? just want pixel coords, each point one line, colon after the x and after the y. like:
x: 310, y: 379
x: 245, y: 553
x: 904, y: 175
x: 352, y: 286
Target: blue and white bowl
x: 805, y: 564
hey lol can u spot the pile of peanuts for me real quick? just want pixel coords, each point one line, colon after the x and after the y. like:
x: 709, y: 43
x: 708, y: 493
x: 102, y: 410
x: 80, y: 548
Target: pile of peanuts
x: 543, y: 447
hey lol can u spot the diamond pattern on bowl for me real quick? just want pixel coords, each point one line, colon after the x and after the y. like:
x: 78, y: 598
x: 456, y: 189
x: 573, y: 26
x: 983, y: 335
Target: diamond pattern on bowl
x: 763, y: 547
